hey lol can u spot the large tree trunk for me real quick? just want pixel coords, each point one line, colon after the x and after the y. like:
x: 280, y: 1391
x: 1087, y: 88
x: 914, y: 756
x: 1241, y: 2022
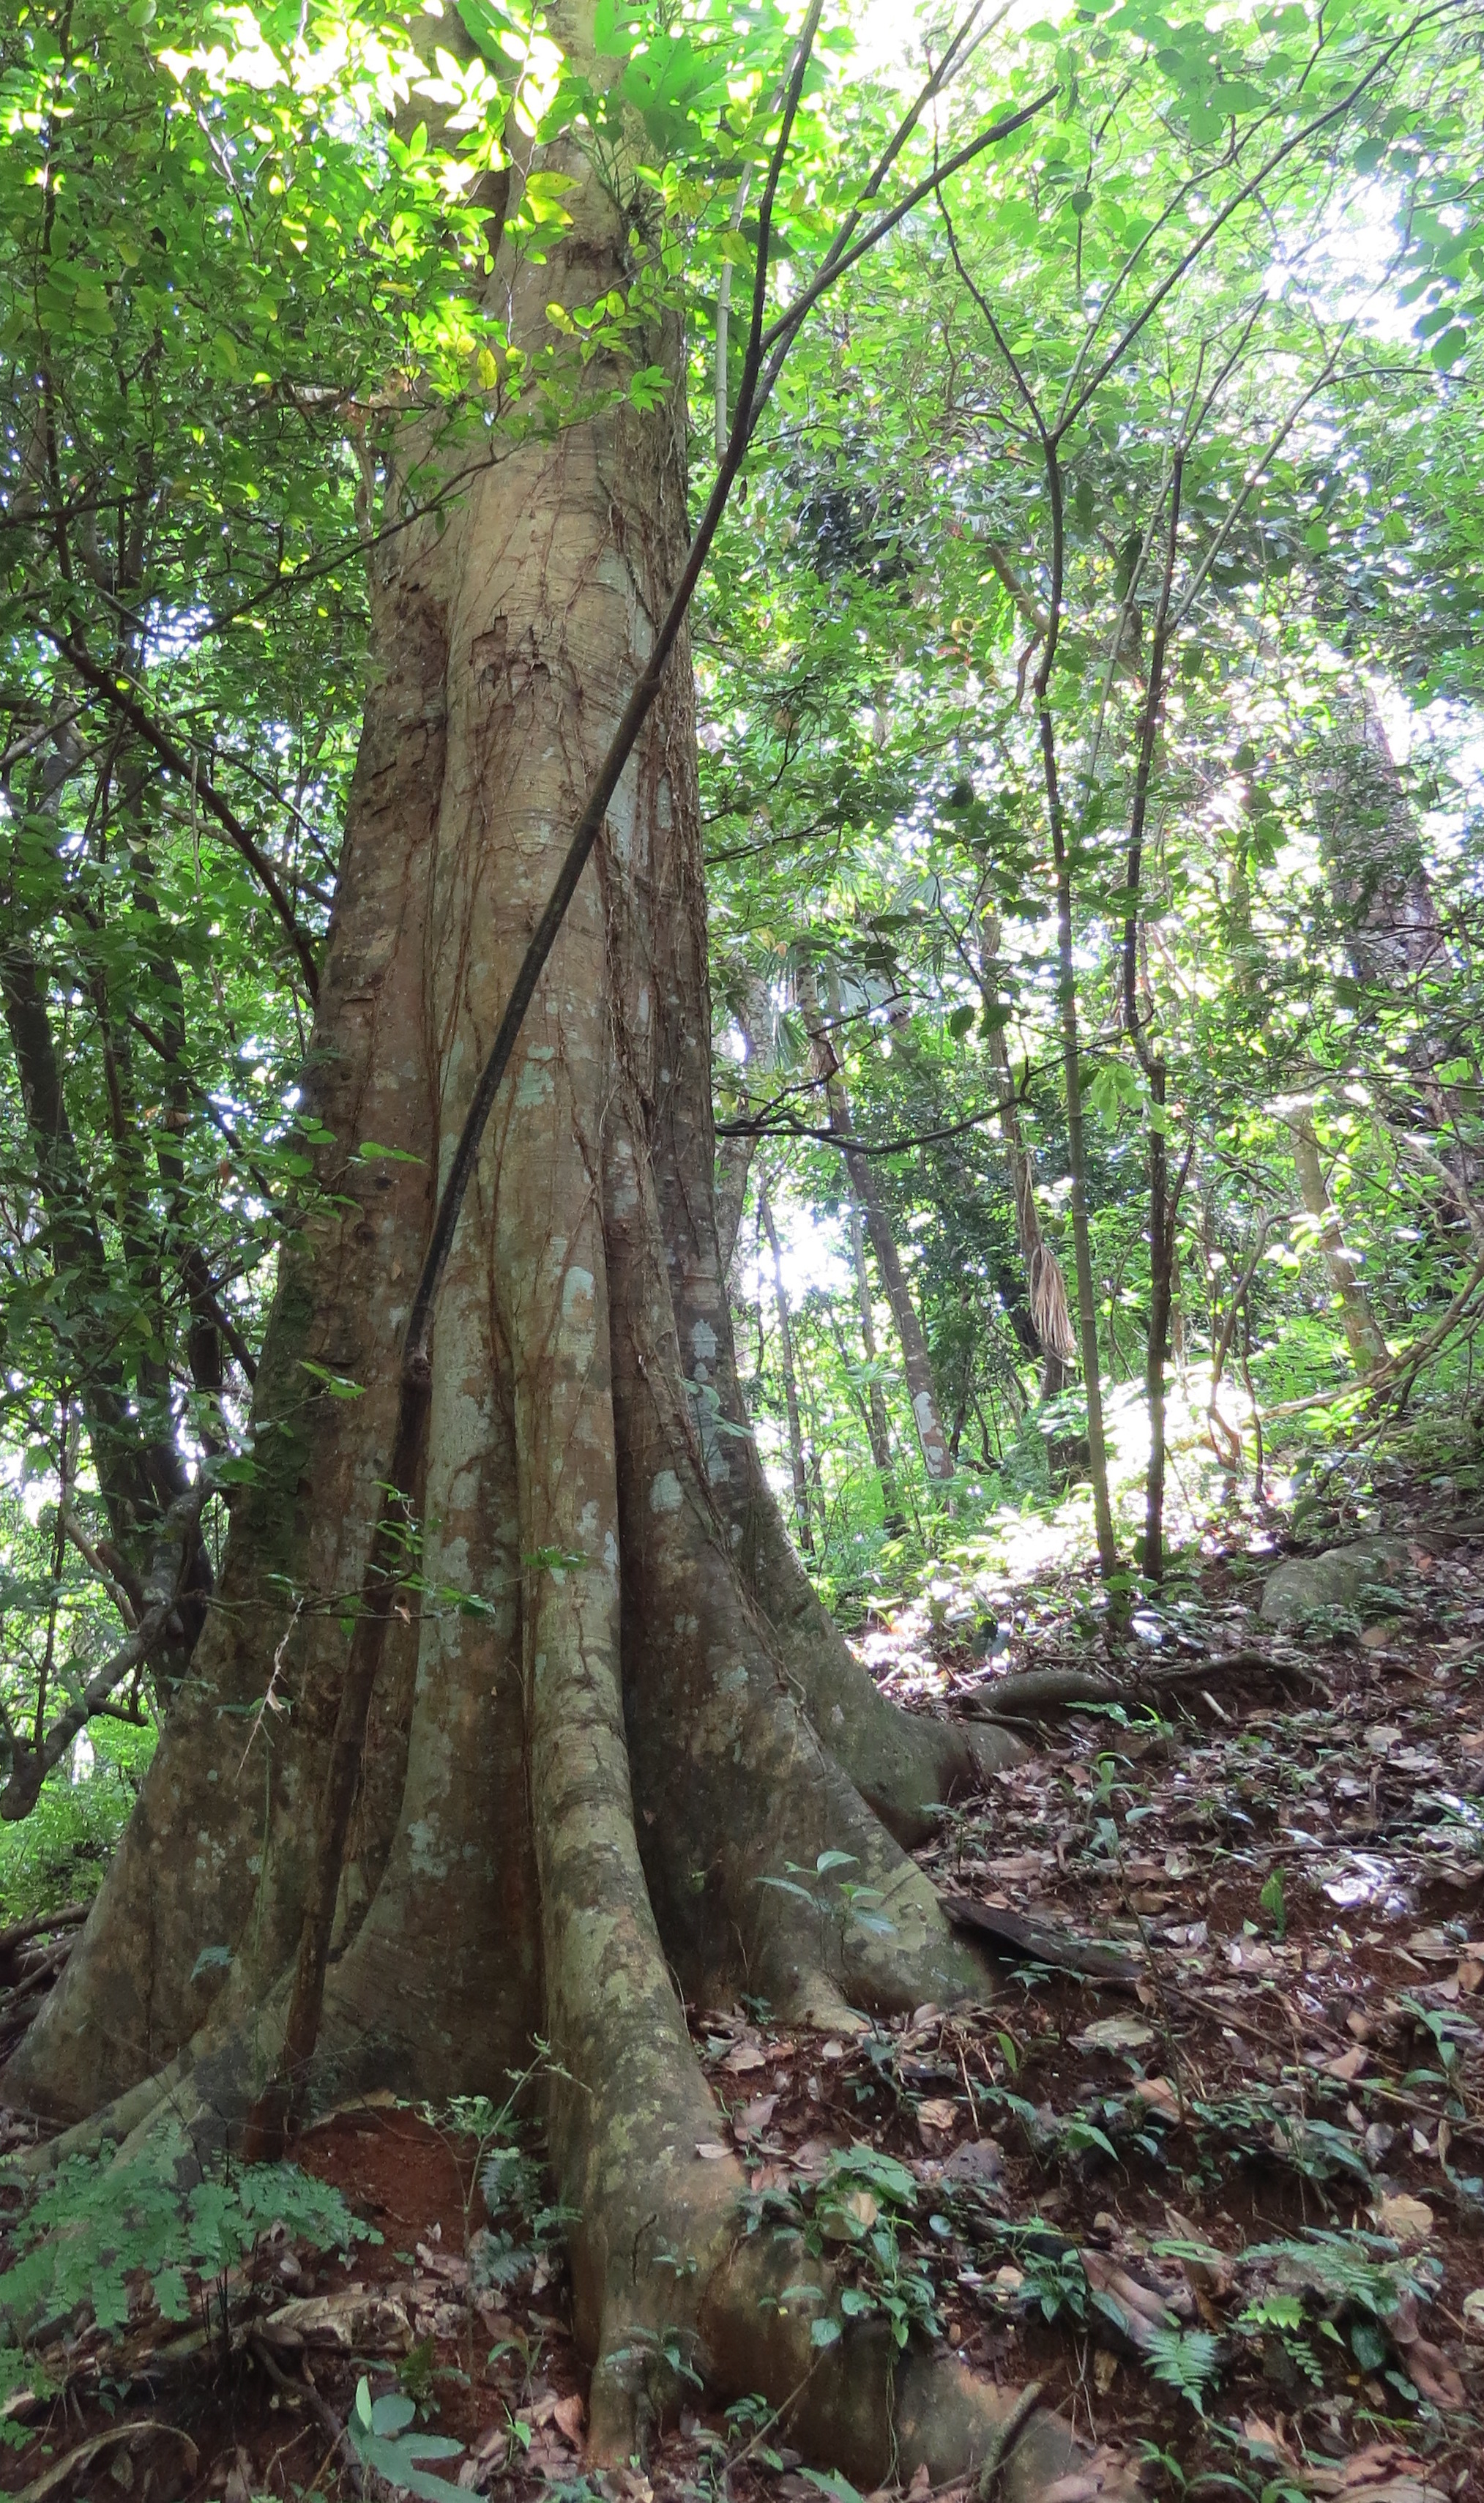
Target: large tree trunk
x: 620, y: 1707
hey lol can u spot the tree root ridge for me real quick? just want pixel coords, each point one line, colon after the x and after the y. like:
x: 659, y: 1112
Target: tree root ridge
x: 860, y: 2403
x: 1034, y: 1694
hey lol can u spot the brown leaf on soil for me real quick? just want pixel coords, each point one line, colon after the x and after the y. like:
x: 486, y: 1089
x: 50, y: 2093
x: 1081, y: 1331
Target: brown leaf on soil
x: 1114, y: 2033
x: 1106, y: 2474
x: 1428, y: 2367
x: 358, y: 2317
x: 854, y: 2215
x: 746, y: 2057
x: 1160, y: 2092
x: 1347, y: 2064
x: 443, y: 2264
x: 1122, y: 2301
x: 1406, y: 2219
x: 568, y: 2417
x: 1433, y: 1945
x: 70, y: 2468
x: 1260, y: 2435
x: 938, y: 2117
x: 1385, y: 2472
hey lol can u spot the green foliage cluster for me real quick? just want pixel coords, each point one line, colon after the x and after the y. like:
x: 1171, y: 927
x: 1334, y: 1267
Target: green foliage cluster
x: 120, y: 2234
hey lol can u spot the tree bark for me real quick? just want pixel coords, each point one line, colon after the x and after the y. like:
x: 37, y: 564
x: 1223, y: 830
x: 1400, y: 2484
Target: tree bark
x: 917, y: 1365
x: 139, y: 1475
x: 1394, y: 934
x: 1045, y: 1286
x: 798, y: 1463
x: 1368, y: 1347
x: 734, y: 1162
x: 877, y: 1424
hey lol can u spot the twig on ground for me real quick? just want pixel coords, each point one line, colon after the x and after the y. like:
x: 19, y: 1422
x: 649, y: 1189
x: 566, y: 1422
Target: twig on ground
x: 305, y: 2392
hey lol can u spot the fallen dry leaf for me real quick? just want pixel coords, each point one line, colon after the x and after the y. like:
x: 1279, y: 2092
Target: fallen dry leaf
x: 938, y: 2117
x: 1428, y: 2367
x: 1106, y: 2475
x: 1406, y: 2219
x: 1160, y: 2092
x: 1385, y: 2472
x: 711, y: 2151
x: 1115, y: 2034
x: 1260, y: 2435
x: 567, y: 2415
x: 1433, y: 1945
x: 746, y: 2057
x: 978, y: 2159
x: 356, y: 2317
x: 858, y: 2211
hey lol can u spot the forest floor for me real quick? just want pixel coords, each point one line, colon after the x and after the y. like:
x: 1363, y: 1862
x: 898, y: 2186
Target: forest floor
x: 1222, y: 2204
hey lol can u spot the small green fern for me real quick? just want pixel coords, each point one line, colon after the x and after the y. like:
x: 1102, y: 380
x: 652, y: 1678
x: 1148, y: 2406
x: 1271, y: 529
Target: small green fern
x: 117, y: 2235
x: 1186, y: 2361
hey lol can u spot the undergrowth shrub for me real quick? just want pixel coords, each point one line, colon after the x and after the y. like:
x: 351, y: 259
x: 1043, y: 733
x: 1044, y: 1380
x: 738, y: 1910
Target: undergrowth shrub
x: 124, y: 2237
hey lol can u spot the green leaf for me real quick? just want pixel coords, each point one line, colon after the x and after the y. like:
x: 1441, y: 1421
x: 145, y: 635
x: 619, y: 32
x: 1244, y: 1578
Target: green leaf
x: 337, y: 1384
x: 830, y: 2482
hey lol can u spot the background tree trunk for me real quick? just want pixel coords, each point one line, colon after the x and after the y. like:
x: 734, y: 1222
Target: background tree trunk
x: 1045, y: 1286
x: 915, y: 1361
x: 734, y: 1162
x: 1394, y: 935
x: 798, y: 1461
x: 131, y: 1426
x: 1368, y: 1347
x: 878, y: 1425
